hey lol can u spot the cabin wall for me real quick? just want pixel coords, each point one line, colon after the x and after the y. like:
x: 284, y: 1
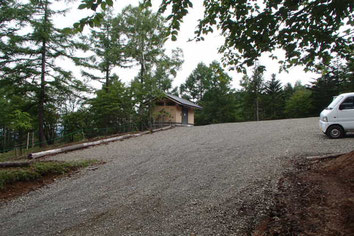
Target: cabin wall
x: 191, y: 116
x: 178, y: 114
x: 165, y: 114
x: 171, y: 113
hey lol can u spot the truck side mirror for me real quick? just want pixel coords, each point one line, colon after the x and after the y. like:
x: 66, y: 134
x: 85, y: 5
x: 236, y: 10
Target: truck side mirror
x: 341, y: 107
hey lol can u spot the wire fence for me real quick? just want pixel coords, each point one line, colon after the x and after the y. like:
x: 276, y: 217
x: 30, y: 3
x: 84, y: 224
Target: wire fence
x: 12, y: 144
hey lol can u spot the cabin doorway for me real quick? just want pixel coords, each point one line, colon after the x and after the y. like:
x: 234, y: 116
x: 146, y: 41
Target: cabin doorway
x: 184, y: 115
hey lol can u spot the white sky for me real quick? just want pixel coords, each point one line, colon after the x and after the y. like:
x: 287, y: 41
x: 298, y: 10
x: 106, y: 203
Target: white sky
x: 194, y: 52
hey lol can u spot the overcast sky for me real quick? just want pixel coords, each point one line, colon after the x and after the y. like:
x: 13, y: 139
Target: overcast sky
x: 194, y: 52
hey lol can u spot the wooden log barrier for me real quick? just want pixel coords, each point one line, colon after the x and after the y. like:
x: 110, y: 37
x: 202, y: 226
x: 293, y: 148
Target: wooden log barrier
x: 15, y: 164
x: 89, y: 144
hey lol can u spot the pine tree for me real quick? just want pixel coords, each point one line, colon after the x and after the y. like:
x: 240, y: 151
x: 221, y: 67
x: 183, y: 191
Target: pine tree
x: 299, y: 104
x: 31, y: 62
x: 336, y: 79
x: 197, y: 83
x: 113, y: 107
x: 108, y: 47
x: 210, y: 87
x: 253, y: 88
x: 146, y: 35
x: 274, y: 99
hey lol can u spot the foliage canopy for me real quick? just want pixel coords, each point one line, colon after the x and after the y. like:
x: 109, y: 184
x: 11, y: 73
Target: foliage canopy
x: 311, y: 32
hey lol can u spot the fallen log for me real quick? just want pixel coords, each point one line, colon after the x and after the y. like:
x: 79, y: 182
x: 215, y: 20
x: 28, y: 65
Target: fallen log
x: 15, y: 164
x: 76, y: 147
x: 325, y: 156
x: 89, y: 144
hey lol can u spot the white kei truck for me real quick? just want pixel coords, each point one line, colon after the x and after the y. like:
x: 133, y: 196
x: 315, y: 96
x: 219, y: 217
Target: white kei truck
x: 338, y: 118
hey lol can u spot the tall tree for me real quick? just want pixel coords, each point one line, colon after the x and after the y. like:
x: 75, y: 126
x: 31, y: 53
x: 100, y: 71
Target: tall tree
x: 15, y: 117
x: 210, y: 86
x: 274, y: 99
x: 336, y: 79
x: 146, y: 35
x: 288, y: 91
x: 31, y: 62
x: 166, y: 70
x: 253, y: 88
x: 113, y: 107
x: 107, y: 45
x: 218, y: 101
x: 299, y: 104
x: 197, y: 83
x: 308, y: 31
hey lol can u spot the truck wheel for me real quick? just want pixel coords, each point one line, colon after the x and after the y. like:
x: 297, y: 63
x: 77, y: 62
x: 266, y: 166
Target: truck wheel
x: 335, y: 131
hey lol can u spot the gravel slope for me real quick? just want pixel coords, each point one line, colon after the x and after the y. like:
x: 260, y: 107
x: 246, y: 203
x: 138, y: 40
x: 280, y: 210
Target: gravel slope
x: 210, y: 180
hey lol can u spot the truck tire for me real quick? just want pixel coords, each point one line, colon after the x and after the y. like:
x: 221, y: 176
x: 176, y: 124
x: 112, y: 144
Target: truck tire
x: 335, y: 131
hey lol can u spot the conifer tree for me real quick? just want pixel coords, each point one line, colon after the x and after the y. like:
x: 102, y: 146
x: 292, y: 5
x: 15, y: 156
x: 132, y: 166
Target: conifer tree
x: 274, y: 98
x: 197, y: 83
x: 107, y: 45
x: 253, y: 87
x: 146, y: 36
x: 31, y: 61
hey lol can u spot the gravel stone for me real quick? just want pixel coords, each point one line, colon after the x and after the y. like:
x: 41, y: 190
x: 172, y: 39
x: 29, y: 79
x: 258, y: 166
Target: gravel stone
x: 206, y: 180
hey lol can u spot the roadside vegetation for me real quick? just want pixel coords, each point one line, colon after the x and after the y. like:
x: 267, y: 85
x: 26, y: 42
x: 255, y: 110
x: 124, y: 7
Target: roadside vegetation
x: 38, y: 170
x: 41, y: 101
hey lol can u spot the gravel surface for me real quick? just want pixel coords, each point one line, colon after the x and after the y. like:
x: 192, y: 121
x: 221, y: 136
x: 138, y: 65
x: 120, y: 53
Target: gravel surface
x: 210, y: 180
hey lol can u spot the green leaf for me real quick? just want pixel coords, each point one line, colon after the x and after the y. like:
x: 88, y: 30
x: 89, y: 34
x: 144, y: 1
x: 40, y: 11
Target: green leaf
x: 103, y: 6
x: 67, y: 30
x: 109, y: 2
x: 82, y: 6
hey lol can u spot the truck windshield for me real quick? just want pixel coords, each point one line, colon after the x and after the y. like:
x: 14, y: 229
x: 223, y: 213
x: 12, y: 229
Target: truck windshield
x: 335, y: 101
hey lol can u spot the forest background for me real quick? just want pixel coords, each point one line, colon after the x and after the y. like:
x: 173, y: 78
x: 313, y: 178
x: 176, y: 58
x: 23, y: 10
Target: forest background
x: 41, y: 97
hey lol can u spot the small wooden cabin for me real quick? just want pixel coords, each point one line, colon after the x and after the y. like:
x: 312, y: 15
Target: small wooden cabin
x: 174, y: 110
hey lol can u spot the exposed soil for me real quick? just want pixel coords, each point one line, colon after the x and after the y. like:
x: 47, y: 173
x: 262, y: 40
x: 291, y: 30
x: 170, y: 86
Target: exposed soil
x: 317, y: 199
x: 23, y: 187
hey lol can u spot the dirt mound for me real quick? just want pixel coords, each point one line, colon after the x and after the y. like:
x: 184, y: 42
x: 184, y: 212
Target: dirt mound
x: 342, y: 165
x: 317, y: 199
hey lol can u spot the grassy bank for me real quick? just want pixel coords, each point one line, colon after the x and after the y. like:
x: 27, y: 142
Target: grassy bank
x: 38, y: 170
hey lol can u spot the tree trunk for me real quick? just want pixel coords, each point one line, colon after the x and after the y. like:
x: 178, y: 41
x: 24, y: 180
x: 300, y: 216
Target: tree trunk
x: 107, y: 78
x: 32, y: 139
x: 4, y: 147
x: 257, y: 109
x: 107, y: 60
x: 42, y: 140
x: 142, y: 73
x: 27, y: 141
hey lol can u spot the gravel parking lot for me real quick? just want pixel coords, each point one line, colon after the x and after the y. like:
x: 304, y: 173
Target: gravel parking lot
x: 208, y: 180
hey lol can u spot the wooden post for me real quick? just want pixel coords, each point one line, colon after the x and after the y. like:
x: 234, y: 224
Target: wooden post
x: 28, y: 137
x: 32, y: 139
x: 4, y: 148
x: 257, y: 108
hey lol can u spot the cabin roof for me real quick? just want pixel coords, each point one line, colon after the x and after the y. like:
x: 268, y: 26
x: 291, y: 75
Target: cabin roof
x: 182, y: 101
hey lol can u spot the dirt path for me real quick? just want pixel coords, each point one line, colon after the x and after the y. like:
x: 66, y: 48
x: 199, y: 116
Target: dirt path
x: 217, y: 179
x: 316, y: 199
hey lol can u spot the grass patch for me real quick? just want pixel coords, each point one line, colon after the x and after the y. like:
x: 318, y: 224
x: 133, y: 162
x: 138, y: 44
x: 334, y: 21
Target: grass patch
x: 11, y: 155
x: 38, y: 170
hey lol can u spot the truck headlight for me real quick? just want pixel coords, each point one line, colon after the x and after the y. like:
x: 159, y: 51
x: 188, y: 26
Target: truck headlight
x: 325, y: 119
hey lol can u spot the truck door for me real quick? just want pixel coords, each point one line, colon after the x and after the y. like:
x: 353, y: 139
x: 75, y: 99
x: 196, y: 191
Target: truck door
x: 346, y: 113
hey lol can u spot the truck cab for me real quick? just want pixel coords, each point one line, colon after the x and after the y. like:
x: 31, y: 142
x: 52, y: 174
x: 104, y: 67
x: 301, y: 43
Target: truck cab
x: 338, y: 118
